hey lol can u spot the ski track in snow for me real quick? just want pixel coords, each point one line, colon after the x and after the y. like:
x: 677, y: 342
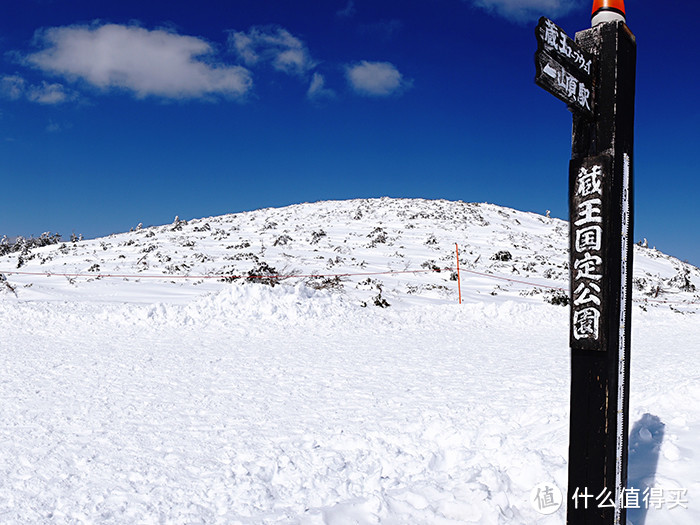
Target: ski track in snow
x: 128, y: 402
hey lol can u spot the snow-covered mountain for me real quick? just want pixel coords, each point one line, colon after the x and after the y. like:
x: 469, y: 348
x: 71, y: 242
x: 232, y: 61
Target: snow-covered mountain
x: 140, y: 386
x: 348, y: 246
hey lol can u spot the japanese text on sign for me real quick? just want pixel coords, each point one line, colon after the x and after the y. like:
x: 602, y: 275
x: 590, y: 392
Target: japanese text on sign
x: 573, y: 89
x: 556, y: 39
x: 564, y: 68
x: 587, y: 270
x: 563, y: 83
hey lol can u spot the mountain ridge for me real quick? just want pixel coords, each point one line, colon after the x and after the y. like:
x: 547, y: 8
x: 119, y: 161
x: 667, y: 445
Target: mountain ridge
x: 412, y: 241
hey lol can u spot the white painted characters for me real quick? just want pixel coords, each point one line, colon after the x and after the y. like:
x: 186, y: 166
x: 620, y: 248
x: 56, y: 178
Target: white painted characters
x: 587, y: 271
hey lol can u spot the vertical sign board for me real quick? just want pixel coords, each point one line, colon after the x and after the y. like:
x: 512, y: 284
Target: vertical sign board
x: 595, y: 76
x: 589, y: 190
x: 599, y: 426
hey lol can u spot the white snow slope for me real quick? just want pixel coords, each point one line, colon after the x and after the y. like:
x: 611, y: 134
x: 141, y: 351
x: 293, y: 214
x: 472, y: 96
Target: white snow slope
x: 131, y: 395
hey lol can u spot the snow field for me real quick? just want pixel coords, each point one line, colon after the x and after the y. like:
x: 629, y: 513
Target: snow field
x: 138, y: 400
x: 267, y: 421
x: 310, y: 410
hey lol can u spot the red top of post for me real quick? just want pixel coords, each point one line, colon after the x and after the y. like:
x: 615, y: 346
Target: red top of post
x: 607, y: 11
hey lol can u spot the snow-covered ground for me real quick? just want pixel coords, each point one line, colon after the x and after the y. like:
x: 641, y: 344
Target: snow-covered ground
x: 135, y: 399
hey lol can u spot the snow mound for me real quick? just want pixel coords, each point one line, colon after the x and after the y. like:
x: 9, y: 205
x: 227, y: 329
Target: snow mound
x: 243, y: 303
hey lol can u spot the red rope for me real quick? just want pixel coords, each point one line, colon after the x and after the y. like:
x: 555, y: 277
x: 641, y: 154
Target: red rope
x: 313, y: 276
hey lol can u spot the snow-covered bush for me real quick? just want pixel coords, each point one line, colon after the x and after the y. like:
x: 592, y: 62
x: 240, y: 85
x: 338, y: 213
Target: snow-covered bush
x: 263, y: 273
x: 324, y: 283
x: 682, y: 280
x: 557, y: 298
x: 5, y: 285
x: 317, y: 236
x: 379, y: 301
x: 282, y: 240
x: 503, y: 255
x: 24, y: 245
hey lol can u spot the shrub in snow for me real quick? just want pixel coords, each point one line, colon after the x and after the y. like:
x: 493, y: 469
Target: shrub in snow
x: 177, y: 224
x: 503, y: 255
x: 24, y: 245
x: 430, y: 265
x: 220, y: 234
x: 682, y: 280
x: 325, y: 283
x: 204, y: 228
x: 179, y: 268
x: 379, y: 301
x: 378, y: 236
x: 282, y: 240
x: 5, y: 285
x: 654, y: 291
x: 317, y: 236
x: 557, y: 298
x: 369, y: 284
x: 263, y: 273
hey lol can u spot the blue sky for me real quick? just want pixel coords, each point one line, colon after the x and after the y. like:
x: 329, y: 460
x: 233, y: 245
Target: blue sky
x: 119, y: 113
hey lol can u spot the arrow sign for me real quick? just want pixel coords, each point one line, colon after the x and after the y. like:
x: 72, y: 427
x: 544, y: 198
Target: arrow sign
x: 563, y: 68
x: 564, y: 84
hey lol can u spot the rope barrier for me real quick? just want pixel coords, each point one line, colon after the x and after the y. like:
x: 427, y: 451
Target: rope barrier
x: 215, y: 276
x: 275, y: 276
x: 316, y: 276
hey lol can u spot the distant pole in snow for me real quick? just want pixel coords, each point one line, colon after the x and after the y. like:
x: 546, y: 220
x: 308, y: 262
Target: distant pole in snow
x: 459, y: 279
x: 600, y: 266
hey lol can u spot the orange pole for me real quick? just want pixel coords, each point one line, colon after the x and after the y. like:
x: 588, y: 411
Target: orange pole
x: 459, y: 279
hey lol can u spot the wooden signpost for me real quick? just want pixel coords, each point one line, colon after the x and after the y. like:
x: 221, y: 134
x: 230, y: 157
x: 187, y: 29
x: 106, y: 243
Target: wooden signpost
x: 595, y: 76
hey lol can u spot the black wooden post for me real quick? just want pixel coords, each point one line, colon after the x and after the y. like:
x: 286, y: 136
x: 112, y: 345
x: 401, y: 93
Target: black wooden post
x: 601, y: 225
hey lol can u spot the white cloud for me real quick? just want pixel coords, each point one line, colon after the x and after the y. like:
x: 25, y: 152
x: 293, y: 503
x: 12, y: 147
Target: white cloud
x: 348, y: 11
x: 15, y: 87
x: 527, y: 10
x: 275, y: 45
x: 12, y: 87
x: 148, y: 63
x: 49, y: 93
x: 317, y: 89
x: 377, y: 79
